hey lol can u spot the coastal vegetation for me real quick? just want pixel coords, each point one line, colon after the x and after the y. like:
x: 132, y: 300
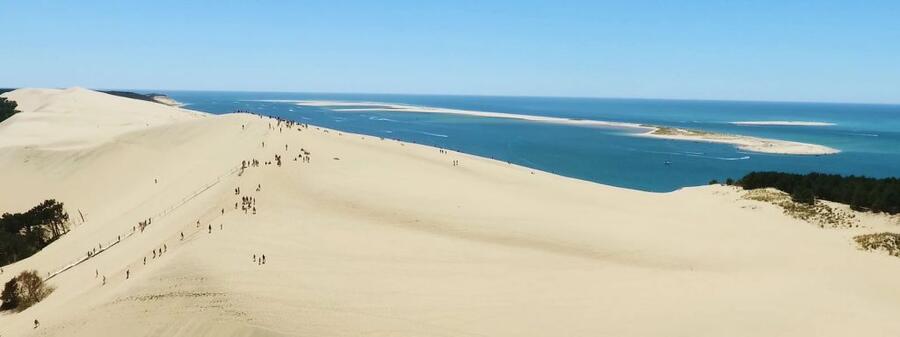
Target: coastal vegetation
x: 7, y: 108
x: 861, y: 193
x: 23, y: 234
x: 152, y: 97
x: 888, y: 242
x: 816, y: 213
x: 132, y: 95
x: 23, y: 291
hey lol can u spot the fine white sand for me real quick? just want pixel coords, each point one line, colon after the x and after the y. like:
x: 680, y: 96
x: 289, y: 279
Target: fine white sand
x: 747, y: 143
x: 381, y: 238
x: 390, y: 107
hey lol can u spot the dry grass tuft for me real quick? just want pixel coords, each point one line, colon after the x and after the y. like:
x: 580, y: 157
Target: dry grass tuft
x: 888, y: 242
x: 819, y: 213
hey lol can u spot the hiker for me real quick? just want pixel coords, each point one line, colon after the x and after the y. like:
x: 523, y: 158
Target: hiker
x: 127, y: 274
x: 165, y: 248
x: 36, y: 324
x: 104, y: 280
x: 264, y: 259
x: 210, y: 229
x: 182, y: 236
x: 145, y: 260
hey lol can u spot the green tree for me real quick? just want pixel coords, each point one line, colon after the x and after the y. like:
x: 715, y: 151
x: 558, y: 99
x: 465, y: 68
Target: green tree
x: 23, y: 234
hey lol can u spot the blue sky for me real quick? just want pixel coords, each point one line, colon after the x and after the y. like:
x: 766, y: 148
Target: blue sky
x: 844, y: 51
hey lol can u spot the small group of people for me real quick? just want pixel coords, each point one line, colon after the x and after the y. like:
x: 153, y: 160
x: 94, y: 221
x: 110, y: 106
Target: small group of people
x: 304, y: 155
x: 249, y: 163
x: 261, y: 260
x: 456, y: 163
x: 248, y: 203
x: 143, y: 224
x: 162, y: 250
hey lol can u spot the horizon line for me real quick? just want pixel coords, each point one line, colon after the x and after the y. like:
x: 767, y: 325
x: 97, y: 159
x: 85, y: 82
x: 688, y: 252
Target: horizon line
x: 498, y: 95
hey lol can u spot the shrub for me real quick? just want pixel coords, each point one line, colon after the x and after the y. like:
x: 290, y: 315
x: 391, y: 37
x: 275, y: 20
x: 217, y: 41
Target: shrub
x: 713, y: 182
x: 24, y: 290
x: 9, y: 297
x: 7, y: 108
x: 888, y: 242
x: 729, y: 181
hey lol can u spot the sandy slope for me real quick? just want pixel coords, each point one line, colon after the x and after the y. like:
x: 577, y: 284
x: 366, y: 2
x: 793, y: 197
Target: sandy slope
x: 77, y: 117
x: 380, y: 238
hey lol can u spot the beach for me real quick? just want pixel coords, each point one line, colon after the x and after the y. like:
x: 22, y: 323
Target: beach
x: 370, y: 236
x: 746, y: 143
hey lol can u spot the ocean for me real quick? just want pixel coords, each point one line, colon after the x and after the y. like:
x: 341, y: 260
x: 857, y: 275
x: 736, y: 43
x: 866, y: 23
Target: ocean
x: 868, y: 135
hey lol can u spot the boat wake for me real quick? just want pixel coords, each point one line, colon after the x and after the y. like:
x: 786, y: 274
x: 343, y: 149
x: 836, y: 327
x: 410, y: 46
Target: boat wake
x: 434, y: 134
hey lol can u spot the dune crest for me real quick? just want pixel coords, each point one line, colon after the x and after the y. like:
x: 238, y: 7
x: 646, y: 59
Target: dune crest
x: 78, y: 117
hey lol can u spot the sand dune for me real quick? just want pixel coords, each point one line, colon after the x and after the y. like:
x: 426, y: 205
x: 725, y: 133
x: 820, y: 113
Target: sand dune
x: 80, y: 117
x: 381, y: 238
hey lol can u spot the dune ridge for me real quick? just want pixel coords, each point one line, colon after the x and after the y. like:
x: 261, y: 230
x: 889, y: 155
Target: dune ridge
x: 368, y: 236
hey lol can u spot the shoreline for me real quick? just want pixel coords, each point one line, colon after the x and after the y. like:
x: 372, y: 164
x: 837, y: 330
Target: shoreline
x: 746, y: 143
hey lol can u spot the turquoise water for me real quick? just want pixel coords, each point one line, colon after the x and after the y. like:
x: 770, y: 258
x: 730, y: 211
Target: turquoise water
x: 867, y: 135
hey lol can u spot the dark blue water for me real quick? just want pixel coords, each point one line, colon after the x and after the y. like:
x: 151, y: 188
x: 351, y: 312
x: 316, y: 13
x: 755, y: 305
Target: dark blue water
x: 867, y: 135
